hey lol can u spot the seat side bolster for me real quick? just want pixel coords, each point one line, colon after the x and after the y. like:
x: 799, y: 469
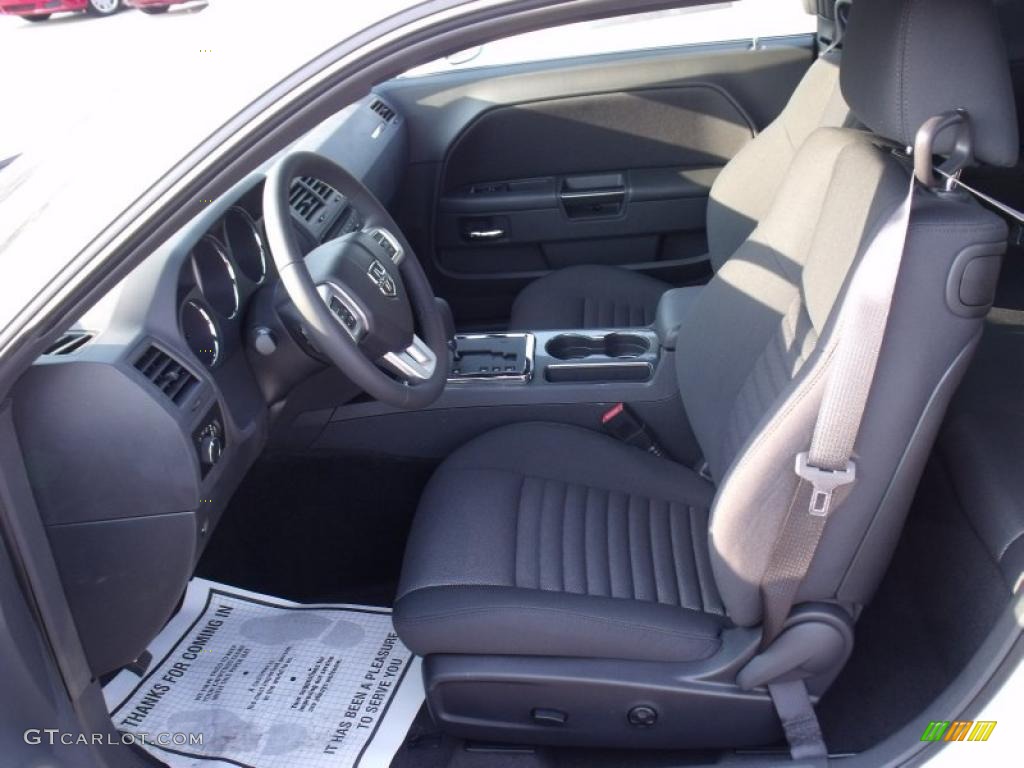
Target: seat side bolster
x: 512, y: 621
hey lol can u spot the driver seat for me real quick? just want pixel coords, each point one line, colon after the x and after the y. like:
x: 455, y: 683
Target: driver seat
x: 567, y: 588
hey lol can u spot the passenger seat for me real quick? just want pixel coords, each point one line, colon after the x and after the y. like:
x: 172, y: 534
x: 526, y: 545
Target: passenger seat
x: 593, y: 296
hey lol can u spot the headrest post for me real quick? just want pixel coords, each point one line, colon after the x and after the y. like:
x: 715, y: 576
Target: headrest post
x: 924, y: 144
x: 840, y: 13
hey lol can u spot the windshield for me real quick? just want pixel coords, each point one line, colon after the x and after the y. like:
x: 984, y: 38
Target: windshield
x: 97, y: 108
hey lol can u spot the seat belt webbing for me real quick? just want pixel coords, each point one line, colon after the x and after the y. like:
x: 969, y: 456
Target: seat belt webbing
x: 803, y: 732
x: 826, y: 470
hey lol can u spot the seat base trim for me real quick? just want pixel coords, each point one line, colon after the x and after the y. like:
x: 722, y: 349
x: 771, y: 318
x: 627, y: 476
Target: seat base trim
x: 685, y: 705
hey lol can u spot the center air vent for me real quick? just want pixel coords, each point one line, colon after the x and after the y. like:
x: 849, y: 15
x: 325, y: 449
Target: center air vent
x: 68, y: 343
x: 169, y: 376
x: 309, y: 196
x: 382, y: 109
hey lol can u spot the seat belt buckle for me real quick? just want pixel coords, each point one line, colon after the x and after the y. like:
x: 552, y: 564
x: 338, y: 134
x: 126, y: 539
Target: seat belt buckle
x: 620, y: 422
x: 824, y: 482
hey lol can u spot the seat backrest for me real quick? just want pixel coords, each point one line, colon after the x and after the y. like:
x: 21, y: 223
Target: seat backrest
x: 745, y: 188
x: 751, y: 368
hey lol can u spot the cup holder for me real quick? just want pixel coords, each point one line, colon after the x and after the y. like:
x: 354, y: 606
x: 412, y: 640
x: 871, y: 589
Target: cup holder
x: 576, y: 346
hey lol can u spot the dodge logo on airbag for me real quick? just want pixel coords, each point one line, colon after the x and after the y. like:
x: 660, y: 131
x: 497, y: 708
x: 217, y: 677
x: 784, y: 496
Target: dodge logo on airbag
x: 380, y: 277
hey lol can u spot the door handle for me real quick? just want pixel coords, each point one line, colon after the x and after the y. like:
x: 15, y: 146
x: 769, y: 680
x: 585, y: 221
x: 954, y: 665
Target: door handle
x: 485, y: 234
x: 593, y: 203
x: 592, y: 196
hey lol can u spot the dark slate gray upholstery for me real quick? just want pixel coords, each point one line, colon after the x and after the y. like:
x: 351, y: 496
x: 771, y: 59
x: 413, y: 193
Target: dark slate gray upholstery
x: 744, y: 191
x: 752, y: 396
x: 588, y: 297
x: 563, y: 542
x: 517, y: 508
x: 899, y: 74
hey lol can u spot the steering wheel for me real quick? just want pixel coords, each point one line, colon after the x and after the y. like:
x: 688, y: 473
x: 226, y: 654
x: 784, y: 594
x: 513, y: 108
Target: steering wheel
x: 357, y: 293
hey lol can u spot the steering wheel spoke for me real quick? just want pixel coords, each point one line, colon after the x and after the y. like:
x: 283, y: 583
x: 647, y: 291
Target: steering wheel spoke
x: 414, y: 364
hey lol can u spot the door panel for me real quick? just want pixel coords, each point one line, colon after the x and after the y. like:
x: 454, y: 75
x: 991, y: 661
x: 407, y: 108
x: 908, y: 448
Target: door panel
x: 534, y: 225
x: 518, y: 170
x: 688, y: 126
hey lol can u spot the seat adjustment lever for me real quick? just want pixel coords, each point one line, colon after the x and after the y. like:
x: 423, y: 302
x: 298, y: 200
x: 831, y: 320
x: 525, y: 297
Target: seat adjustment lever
x: 805, y: 649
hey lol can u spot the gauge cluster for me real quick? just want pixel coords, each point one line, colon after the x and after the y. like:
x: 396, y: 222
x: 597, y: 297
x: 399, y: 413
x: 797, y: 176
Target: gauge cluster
x: 223, y: 269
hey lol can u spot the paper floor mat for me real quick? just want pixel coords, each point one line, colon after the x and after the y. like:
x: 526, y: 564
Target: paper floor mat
x: 267, y: 683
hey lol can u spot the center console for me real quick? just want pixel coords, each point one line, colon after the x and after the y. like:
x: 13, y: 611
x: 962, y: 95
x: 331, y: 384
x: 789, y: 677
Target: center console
x: 570, y: 376
x: 555, y: 357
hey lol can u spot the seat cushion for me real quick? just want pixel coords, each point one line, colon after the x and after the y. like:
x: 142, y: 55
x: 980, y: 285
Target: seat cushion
x: 590, y: 296
x: 552, y: 540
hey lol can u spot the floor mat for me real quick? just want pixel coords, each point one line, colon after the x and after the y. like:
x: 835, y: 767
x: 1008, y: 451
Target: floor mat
x: 268, y: 683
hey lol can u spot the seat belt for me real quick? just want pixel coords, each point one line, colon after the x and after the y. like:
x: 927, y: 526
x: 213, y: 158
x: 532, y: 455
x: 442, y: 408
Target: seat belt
x: 826, y: 470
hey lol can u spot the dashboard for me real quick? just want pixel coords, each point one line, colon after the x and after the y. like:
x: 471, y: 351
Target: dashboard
x: 139, y: 423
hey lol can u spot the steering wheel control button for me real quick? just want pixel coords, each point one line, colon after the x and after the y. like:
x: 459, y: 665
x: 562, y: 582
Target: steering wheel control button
x: 642, y: 716
x: 549, y: 717
x: 387, y: 243
x: 343, y: 307
x: 344, y: 313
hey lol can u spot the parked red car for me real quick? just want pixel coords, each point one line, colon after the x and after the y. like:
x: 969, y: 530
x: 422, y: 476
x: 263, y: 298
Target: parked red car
x: 41, y: 10
x: 153, y: 6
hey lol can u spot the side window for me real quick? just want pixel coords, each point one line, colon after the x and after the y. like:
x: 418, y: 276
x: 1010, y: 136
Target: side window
x: 718, y: 22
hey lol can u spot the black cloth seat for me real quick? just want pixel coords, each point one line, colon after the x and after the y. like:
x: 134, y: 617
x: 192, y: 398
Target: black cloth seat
x: 602, y: 296
x: 588, y: 296
x: 547, y: 539
x: 538, y: 542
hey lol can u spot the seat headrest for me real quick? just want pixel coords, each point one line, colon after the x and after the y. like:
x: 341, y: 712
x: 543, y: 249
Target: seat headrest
x: 907, y: 60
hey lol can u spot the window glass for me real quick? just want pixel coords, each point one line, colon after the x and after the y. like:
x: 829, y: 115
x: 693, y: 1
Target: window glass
x: 719, y: 22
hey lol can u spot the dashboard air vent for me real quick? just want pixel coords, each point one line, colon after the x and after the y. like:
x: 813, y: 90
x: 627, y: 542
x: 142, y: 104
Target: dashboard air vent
x: 382, y: 109
x: 309, y: 196
x: 68, y: 343
x: 169, y: 376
